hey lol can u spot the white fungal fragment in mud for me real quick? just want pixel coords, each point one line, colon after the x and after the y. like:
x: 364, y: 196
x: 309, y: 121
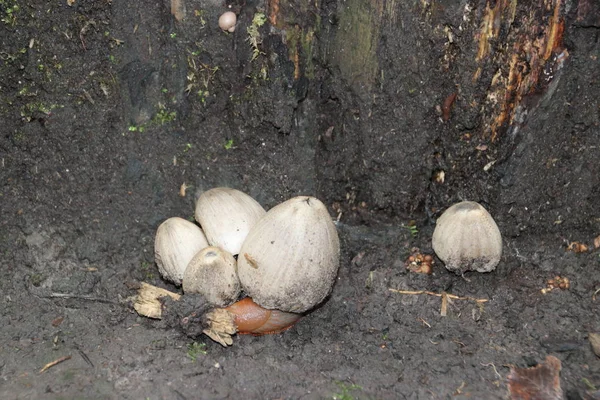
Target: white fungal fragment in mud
x: 227, y: 21
x: 466, y: 238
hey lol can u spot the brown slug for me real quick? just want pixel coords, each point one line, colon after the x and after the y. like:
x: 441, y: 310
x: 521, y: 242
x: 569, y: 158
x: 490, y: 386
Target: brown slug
x: 250, y: 318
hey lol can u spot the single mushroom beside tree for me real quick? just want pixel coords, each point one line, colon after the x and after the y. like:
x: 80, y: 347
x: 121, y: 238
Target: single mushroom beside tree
x: 466, y: 238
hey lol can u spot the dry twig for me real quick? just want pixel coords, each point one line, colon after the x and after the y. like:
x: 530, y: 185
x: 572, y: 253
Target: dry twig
x: 450, y: 296
x: 53, y: 363
x: 445, y: 297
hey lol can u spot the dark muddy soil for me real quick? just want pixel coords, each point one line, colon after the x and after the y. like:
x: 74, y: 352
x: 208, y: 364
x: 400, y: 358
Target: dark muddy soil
x: 108, y: 108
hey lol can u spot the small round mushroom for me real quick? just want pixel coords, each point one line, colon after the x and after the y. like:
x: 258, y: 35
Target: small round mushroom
x: 176, y: 243
x: 227, y: 21
x: 466, y: 238
x: 213, y: 273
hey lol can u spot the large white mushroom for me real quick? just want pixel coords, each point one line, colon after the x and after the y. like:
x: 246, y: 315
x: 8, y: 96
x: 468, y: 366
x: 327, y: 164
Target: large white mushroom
x: 290, y: 259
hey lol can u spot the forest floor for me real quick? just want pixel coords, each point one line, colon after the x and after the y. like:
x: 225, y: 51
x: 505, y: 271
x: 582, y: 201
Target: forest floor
x: 109, y: 108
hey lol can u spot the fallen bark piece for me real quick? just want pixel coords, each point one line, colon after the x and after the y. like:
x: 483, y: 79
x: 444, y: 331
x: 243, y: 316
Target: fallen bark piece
x: 148, y: 302
x: 191, y: 313
x: 541, y: 382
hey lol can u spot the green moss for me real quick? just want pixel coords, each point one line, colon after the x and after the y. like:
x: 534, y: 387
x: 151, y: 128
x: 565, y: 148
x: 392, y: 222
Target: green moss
x: 29, y: 110
x: 164, y: 116
x: 254, y: 37
x: 345, y: 391
x: 196, y: 349
x: 147, y: 270
x: 36, y: 279
x: 10, y: 10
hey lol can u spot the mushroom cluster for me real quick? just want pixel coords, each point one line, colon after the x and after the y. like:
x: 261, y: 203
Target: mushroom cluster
x: 286, y: 260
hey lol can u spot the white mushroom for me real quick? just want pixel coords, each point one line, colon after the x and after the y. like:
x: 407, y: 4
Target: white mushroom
x: 176, y: 242
x: 227, y: 21
x: 213, y: 274
x: 290, y: 259
x: 226, y: 216
x: 466, y: 238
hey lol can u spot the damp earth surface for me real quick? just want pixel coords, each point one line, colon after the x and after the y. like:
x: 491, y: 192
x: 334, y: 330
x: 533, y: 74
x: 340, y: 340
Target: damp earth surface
x: 116, y: 115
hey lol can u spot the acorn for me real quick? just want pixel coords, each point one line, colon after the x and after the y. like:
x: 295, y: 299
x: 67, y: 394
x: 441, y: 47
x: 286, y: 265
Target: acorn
x: 175, y: 244
x: 226, y: 216
x: 466, y: 238
x: 290, y: 258
x: 213, y: 273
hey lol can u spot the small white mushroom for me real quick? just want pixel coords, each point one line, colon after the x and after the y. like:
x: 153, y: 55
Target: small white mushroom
x: 227, y: 21
x: 176, y: 243
x: 466, y: 238
x: 213, y: 274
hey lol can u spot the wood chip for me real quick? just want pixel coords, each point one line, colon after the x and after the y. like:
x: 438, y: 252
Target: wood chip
x: 577, y: 247
x: 444, y: 308
x: 148, y: 300
x: 178, y: 9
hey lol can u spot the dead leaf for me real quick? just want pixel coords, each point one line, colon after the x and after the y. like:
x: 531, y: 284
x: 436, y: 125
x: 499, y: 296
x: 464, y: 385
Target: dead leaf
x: 541, y: 382
x: 594, y: 339
x: 597, y: 242
x: 577, y: 247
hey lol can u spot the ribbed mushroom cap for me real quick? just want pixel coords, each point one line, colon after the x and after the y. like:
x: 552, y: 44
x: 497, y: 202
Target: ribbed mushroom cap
x: 290, y: 259
x: 466, y: 238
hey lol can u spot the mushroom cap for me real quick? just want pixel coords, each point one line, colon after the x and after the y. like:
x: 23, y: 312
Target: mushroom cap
x: 213, y: 273
x: 227, y: 21
x: 175, y: 244
x: 290, y: 259
x: 226, y: 216
x: 466, y: 238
